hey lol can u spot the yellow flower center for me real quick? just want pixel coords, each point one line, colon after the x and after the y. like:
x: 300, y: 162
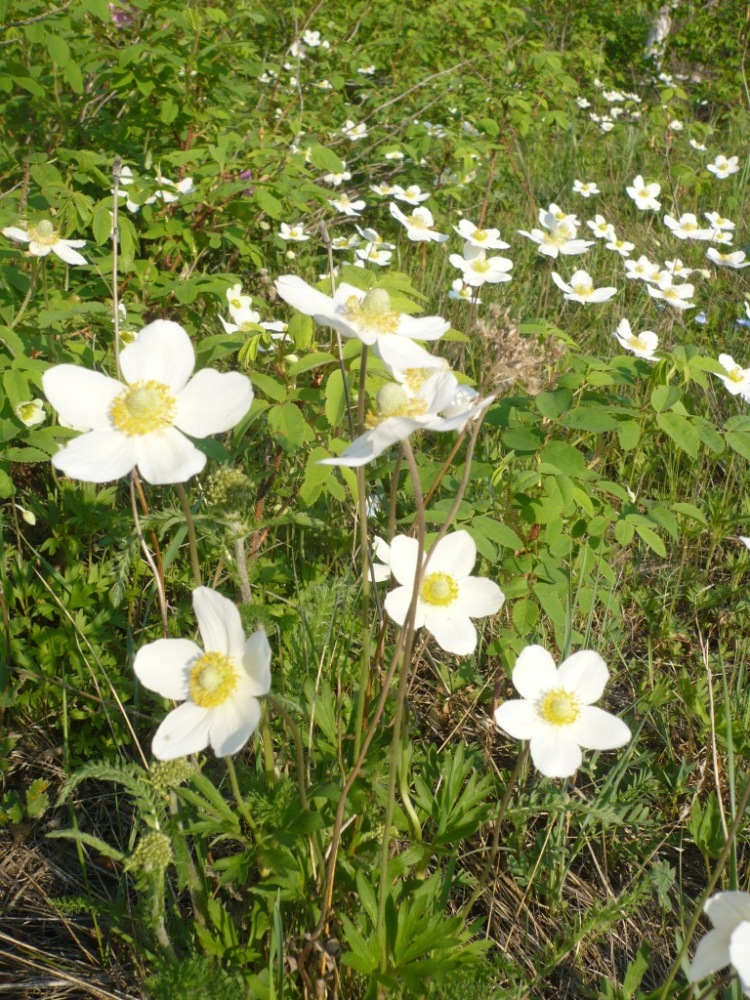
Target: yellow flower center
x: 213, y: 678
x: 480, y: 264
x: 556, y: 238
x: 44, y: 233
x: 417, y: 222
x: 637, y: 343
x: 394, y: 401
x: 144, y: 408
x: 480, y: 235
x: 559, y: 707
x: 373, y: 312
x: 584, y: 290
x: 689, y: 226
x: 235, y: 303
x: 736, y: 374
x: 438, y: 589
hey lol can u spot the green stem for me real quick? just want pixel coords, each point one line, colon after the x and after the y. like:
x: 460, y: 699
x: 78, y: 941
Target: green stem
x: 192, y: 539
x: 364, y: 544
x: 29, y: 292
x: 241, y: 804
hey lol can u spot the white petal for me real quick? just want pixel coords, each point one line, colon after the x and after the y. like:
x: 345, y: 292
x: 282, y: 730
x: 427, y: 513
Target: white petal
x: 162, y: 352
x: 479, y: 597
x: 534, y: 672
x: 219, y: 623
x: 584, y: 673
x: 97, y: 457
x: 559, y: 281
x: 422, y: 327
x: 397, y: 604
x: 739, y: 952
x: 711, y: 955
x: 164, y: 666
x: 403, y: 559
x: 727, y: 909
x: 518, y: 718
x: 554, y: 753
x: 400, y: 352
x: 14, y: 233
x: 454, y: 633
x: 232, y: 724
x: 82, y: 398
x: 373, y: 443
x: 213, y: 402
x: 596, y: 729
x: 66, y: 252
x: 257, y: 663
x: 455, y: 554
x: 184, y: 731
x: 305, y: 298
x: 167, y: 457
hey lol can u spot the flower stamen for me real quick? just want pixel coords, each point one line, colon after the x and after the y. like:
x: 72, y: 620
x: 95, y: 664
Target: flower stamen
x: 144, y: 408
x: 213, y: 678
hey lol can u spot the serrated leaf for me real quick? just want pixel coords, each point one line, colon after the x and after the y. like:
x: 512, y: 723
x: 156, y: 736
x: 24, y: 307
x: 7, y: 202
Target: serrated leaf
x: 681, y: 430
x: 289, y: 427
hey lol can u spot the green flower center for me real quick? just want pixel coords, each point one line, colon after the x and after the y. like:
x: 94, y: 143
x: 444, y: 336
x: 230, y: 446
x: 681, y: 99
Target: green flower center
x: 438, y: 589
x: 144, y: 408
x: 213, y: 678
x: 373, y: 312
x: 44, y: 233
x: 559, y: 707
x: 393, y: 400
x: 480, y: 235
x: 480, y: 264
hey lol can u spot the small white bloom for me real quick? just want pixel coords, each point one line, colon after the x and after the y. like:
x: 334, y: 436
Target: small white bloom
x: 347, y: 205
x: 585, y: 189
x: 642, y: 344
x: 419, y: 225
x: 687, y: 227
x: 479, y: 269
x: 723, y: 167
x: 734, y: 260
x: 678, y: 296
x: 642, y: 269
x: 582, y: 102
x: 412, y: 195
x: 556, y: 711
x: 737, y: 380
x: 44, y: 239
x: 296, y: 233
x: 311, y: 38
x: 352, y: 131
x: 374, y: 255
x: 697, y: 145
x: 601, y: 229
x: 620, y: 246
x: 581, y: 288
x: 644, y: 195
x: 676, y: 125
x: 464, y: 292
x: 336, y: 180
x: 219, y: 688
x: 31, y: 412
x: 448, y: 596
x: 485, y: 239
x: 729, y: 941
x: 384, y: 190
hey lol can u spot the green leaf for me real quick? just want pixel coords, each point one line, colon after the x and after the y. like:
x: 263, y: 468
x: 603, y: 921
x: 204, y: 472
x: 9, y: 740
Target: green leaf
x: 169, y: 110
x: 325, y: 159
x: 316, y: 476
x: 624, y: 532
x: 651, y: 539
x: 335, y: 407
x: 739, y: 441
x: 665, y: 396
x: 73, y: 77
x: 590, y: 418
x: 58, y: 49
x: 266, y: 201
x: 316, y: 360
x: 525, y: 616
x: 564, y: 457
x: 102, y: 222
x: 554, y: 404
x: 628, y: 434
x: 268, y: 385
x: 497, y: 532
x: 289, y: 427
x: 681, y: 430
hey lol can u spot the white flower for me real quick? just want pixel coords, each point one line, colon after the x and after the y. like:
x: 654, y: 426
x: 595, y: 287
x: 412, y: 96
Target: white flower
x: 558, y: 218
x: 367, y: 70
x: 613, y: 96
x: 479, y: 269
x: 393, y: 154
x: 556, y: 711
x: 581, y: 288
x: 170, y: 191
x: 485, y: 239
x: 347, y: 205
x: 675, y: 295
x: 219, y: 688
x: 677, y: 269
x: 642, y: 344
x: 374, y: 255
x: 585, y: 189
x: 644, y: 195
x: 44, y: 239
x: 31, y: 412
x: 336, y: 180
x: 697, y: 145
x: 384, y: 189
x: 144, y: 421
x: 464, y: 292
x: 381, y: 550
x: 676, y: 125
x: 718, y: 221
x: 729, y: 941
x: 412, y: 195
x: 296, y: 233
x: 642, y: 269
x: 735, y: 260
x: 373, y: 236
x: 368, y: 316
x: 311, y: 38
x: 686, y: 227
x: 352, y: 131
x: 606, y: 125
x: 582, y: 102
x: 435, y: 403
x: 723, y: 167
x: 418, y: 225
x: 557, y: 239
x: 620, y: 246
x: 737, y: 380
x: 448, y: 596
x: 602, y: 229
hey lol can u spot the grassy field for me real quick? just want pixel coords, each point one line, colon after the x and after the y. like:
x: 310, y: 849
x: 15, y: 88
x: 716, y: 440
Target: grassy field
x: 457, y: 283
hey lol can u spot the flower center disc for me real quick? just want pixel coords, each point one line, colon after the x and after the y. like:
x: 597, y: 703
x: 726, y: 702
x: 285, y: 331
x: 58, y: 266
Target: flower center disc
x: 373, y: 312
x: 394, y: 401
x: 144, y: 408
x: 480, y: 235
x: 438, y: 589
x: 44, y: 234
x: 213, y: 677
x: 559, y: 707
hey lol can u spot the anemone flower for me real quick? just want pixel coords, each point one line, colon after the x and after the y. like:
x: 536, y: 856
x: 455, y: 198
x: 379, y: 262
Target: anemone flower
x: 44, y: 239
x: 729, y: 941
x: 219, y: 688
x: 581, y: 288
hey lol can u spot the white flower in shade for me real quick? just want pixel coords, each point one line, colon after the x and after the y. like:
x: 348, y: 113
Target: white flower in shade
x: 582, y: 102
x: 723, y: 167
x: 448, y: 596
x: 419, y: 225
x: 557, y: 239
x: 479, y: 269
x: 336, y: 180
x: 368, y: 316
x: 644, y: 195
x: 642, y: 269
x: 601, y: 229
x: 613, y: 96
x: 295, y: 233
x: 585, y: 189
x: 641, y: 344
x: 412, y: 195
x: 556, y: 711
x: 698, y: 145
x: 687, y: 227
x: 31, y: 412
x: 559, y: 218
x: 237, y: 302
x: 219, y: 688
x: 606, y: 125
x: 347, y: 205
x: 381, y: 569
x: 464, y: 293
x: 384, y: 190
x: 311, y: 38
x: 581, y: 288
x: 170, y: 191
x: 678, y: 296
x: 374, y: 255
x: 677, y: 269
x: 485, y: 239
x: 44, y: 239
x: 729, y: 941
x: 373, y: 236
x: 620, y: 246
x: 718, y: 222
x: 367, y: 70
x: 143, y: 422
x: 393, y: 154
x: 735, y: 260
x: 352, y: 131
x: 737, y: 380
x: 436, y: 403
